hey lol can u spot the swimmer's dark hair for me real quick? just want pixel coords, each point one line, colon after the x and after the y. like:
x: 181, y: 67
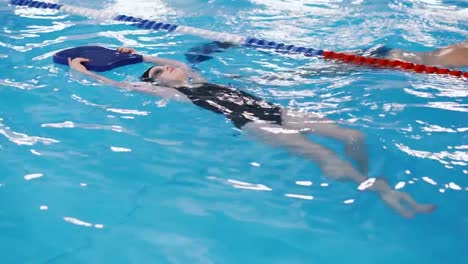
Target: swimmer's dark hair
x: 146, y: 78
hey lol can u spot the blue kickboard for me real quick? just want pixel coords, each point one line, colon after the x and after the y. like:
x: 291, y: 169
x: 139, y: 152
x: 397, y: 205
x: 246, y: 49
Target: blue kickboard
x: 101, y: 59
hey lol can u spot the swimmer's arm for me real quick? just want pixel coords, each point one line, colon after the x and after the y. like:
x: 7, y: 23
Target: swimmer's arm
x: 163, y: 92
x: 76, y: 64
x: 166, y: 93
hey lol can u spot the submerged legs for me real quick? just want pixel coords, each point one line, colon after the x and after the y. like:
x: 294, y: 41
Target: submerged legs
x: 354, y: 140
x: 295, y: 142
x: 332, y: 165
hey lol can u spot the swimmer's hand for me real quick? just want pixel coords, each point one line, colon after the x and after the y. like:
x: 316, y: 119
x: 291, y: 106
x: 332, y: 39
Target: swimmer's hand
x: 126, y: 50
x: 77, y: 65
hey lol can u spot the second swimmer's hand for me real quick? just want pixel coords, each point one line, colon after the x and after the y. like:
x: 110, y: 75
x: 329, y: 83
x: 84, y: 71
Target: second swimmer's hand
x: 77, y: 65
x: 126, y: 50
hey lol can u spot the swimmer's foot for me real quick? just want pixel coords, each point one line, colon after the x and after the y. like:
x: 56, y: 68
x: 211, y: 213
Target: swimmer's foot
x: 425, y: 208
x: 394, y: 199
x: 401, y: 202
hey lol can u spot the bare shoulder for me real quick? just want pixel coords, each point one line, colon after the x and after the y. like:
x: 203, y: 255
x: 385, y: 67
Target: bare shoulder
x: 157, y: 90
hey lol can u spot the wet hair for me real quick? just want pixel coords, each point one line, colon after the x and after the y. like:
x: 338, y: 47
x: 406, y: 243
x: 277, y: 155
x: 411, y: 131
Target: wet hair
x: 145, y: 76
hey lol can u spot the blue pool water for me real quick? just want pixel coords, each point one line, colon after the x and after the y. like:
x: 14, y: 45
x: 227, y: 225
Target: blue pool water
x: 94, y: 174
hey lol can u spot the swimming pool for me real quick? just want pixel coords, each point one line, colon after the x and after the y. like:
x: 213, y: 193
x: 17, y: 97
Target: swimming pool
x: 93, y: 174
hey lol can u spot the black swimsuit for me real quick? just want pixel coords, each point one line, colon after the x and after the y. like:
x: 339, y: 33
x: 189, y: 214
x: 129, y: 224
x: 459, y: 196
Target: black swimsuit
x: 240, y: 107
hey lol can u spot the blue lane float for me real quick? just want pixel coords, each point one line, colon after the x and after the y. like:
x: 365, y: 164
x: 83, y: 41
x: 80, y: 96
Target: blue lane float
x: 36, y: 4
x: 146, y: 24
x: 160, y: 26
x: 281, y: 47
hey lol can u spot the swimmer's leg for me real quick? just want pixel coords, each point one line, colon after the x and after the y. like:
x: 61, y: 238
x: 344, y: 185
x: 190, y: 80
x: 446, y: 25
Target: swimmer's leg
x: 455, y: 55
x: 332, y: 165
x: 396, y: 204
x: 354, y: 140
x: 295, y: 142
x: 420, y: 208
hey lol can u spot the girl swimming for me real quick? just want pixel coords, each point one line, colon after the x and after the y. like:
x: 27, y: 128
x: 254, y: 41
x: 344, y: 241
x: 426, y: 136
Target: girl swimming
x: 268, y: 122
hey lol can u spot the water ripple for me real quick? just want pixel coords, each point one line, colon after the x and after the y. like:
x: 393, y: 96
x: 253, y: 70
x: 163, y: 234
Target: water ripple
x: 451, y: 106
x: 383, y: 104
x: 31, y: 46
x: 248, y: 186
x: 70, y: 124
x: 39, y: 13
x: 128, y: 111
x: 20, y: 85
x: 23, y: 139
x: 459, y: 158
x: 76, y: 221
x: 55, y: 27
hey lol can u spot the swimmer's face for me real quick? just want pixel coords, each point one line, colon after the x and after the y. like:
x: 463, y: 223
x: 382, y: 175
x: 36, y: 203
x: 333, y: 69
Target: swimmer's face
x: 167, y: 74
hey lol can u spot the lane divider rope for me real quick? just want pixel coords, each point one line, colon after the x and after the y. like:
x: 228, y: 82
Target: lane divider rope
x: 247, y: 41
